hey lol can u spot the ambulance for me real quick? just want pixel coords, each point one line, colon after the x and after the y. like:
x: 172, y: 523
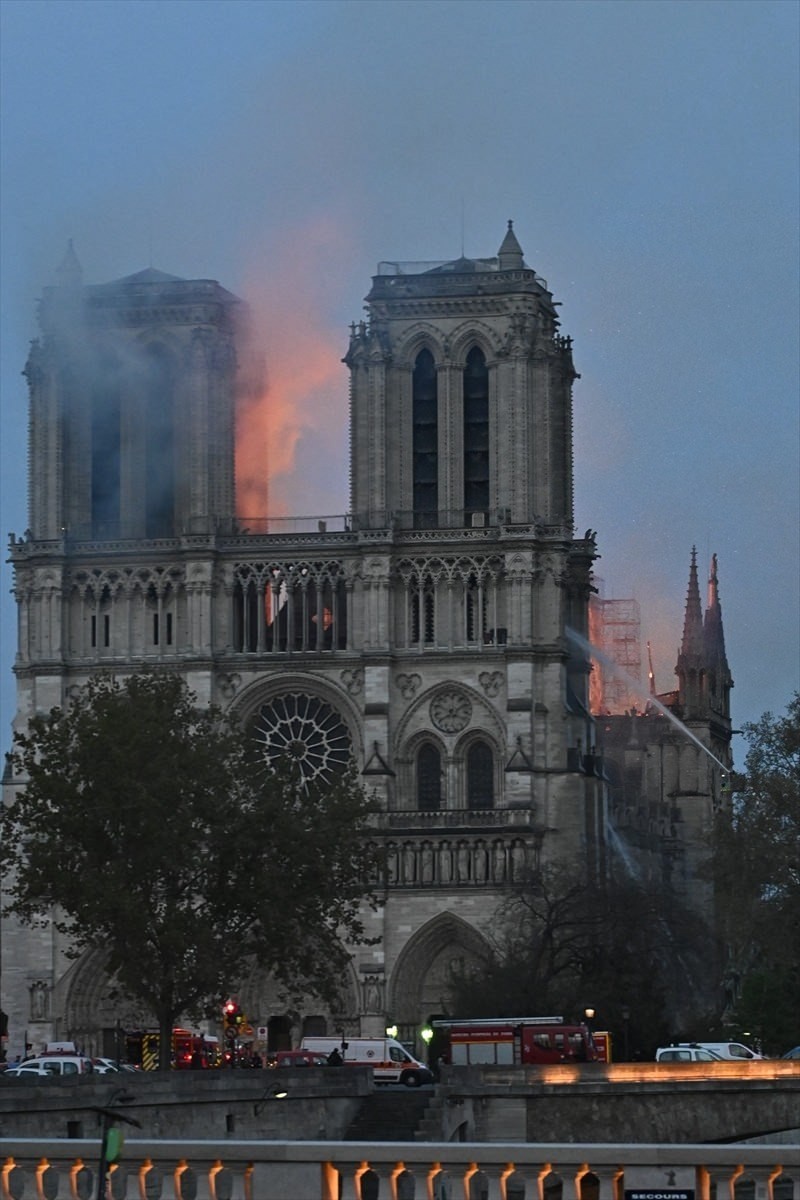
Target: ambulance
x: 390, y: 1061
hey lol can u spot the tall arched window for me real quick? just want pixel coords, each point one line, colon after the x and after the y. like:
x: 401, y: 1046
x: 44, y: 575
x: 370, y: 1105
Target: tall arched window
x: 423, y: 613
x: 480, y: 776
x: 159, y: 477
x: 476, y: 434
x: 425, y: 419
x: 105, y: 451
x: 429, y: 778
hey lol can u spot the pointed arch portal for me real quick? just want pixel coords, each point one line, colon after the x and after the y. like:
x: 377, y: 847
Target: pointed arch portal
x: 420, y: 981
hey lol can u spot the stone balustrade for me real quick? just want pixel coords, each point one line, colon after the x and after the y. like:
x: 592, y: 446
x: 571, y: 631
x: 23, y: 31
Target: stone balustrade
x: 61, y: 1169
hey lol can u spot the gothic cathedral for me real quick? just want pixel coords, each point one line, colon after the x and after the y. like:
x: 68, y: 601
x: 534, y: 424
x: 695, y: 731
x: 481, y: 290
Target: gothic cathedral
x: 427, y: 636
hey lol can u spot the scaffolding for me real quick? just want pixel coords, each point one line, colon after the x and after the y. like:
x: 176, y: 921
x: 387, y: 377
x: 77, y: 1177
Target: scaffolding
x: 615, y: 628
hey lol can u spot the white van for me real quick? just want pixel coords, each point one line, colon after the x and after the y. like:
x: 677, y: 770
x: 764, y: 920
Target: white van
x: 731, y: 1051
x: 682, y: 1054
x: 390, y: 1062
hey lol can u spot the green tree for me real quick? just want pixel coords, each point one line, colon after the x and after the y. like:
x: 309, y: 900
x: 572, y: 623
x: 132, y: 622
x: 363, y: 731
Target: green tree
x: 563, y: 944
x: 155, y: 829
x: 757, y: 871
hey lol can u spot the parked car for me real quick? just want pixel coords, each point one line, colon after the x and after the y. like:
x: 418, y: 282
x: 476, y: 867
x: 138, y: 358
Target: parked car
x: 105, y: 1066
x: 794, y: 1053
x: 53, y: 1065
x: 686, y: 1053
x: 299, y: 1058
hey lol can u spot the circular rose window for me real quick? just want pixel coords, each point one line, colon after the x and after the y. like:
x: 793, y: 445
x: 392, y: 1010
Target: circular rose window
x: 306, y: 730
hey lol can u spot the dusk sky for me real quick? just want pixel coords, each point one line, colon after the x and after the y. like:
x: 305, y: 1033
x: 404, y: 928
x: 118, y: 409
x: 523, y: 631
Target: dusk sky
x: 647, y: 152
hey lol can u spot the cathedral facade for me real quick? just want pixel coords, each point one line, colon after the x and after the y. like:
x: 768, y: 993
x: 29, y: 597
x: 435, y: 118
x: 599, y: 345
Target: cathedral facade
x: 433, y: 635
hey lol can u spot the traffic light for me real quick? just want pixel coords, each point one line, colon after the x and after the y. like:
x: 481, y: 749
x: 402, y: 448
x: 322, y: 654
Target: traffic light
x: 233, y: 1015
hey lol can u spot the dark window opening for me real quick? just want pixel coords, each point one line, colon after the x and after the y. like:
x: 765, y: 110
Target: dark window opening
x: 425, y: 448
x: 169, y: 628
x: 311, y: 615
x: 476, y: 433
x: 105, y: 453
x: 476, y: 612
x: 155, y: 629
x: 159, y: 474
x: 480, y: 776
x: 423, y: 624
x: 429, y: 778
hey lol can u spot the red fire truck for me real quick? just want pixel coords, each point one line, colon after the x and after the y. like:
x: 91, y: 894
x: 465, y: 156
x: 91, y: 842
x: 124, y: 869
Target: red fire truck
x: 510, y: 1041
x: 188, y: 1049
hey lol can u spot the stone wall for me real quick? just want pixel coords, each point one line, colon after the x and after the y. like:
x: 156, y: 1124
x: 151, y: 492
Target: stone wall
x: 612, y: 1104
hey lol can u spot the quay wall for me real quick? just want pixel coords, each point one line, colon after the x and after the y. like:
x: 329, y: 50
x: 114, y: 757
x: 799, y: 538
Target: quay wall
x: 533, y: 1105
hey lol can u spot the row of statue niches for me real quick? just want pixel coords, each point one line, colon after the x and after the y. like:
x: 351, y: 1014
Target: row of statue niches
x: 466, y: 861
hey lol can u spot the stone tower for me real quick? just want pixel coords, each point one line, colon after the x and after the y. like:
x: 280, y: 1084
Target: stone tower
x: 426, y: 635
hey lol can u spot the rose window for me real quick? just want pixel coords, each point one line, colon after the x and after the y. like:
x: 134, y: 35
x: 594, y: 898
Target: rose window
x: 306, y: 730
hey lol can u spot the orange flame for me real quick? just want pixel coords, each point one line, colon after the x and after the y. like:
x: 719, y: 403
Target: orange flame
x: 303, y: 391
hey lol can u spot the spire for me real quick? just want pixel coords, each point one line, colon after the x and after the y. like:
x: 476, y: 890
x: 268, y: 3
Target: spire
x: 510, y: 253
x: 70, y: 273
x: 692, y: 644
x: 713, y: 634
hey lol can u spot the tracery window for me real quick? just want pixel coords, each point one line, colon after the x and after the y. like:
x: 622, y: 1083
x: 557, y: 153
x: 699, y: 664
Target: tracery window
x: 475, y: 609
x: 423, y: 614
x: 306, y: 730
x: 429, y: 778
x: 289, y: 607
x: 100, y: 620
x: 480, y: 775
x: 476, y: 434
x: 444, y: 601
x: 425, y: 445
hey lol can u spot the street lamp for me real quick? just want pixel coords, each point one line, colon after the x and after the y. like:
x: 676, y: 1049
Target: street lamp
x: 271, y: 1093
x: 111, y: 1138
x: 589, y: 1015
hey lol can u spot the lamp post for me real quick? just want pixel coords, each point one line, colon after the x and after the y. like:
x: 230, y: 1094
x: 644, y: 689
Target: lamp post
x: 626, y: 1016
x: 271, y: 1093
x: 111, y: 1138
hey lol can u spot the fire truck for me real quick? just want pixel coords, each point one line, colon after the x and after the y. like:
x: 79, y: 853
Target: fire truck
x: 514, y: 1041
x: 188, y: 1049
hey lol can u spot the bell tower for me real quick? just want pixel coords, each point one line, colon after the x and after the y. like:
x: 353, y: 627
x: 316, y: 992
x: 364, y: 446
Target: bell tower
x: 461, y: 398
x: 131, y: 407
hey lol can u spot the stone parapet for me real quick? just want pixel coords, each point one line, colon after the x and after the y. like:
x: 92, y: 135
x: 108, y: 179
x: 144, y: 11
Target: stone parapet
x: 218, y: 1169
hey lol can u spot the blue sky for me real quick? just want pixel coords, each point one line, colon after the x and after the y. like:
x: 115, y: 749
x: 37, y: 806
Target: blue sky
x: 647, y: 152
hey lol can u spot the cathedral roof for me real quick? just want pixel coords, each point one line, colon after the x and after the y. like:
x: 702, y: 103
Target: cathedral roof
x: 508, y: 258
x: 148, y: 275
x: 464, y: 266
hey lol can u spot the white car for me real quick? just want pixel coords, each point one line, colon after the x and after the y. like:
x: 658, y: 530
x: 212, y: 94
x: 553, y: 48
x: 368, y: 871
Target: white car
x: 681, y: 1054
x: 108, y: 1066
x: 53, y: 1065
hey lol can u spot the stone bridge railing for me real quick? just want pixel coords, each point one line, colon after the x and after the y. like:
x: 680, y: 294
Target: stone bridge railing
x: 61, y: 1169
